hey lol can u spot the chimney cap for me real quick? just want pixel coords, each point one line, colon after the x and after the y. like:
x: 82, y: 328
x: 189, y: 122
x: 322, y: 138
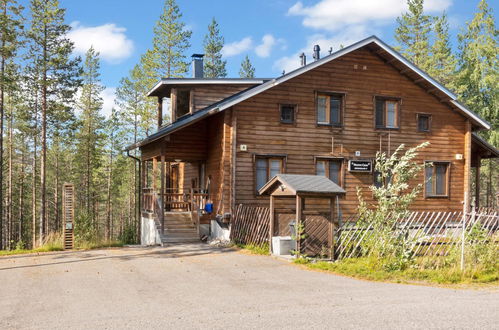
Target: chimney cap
x: 317, y: 47
x: 197, y: 55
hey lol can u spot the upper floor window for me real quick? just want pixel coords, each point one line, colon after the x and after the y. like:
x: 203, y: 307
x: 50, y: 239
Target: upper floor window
x: 437, y: 179
x: 387, y: 112
x: 330, y: 168
x: 266, y: 167
x: 287, y: 113
x: 330, y: 109
x: 424, y: 122
x: 183, y: 102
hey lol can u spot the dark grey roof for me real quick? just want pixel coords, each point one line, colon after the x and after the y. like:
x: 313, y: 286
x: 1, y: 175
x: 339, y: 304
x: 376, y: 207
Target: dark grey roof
x: 259, y: 88
x: 494, y: 153
x: 305, y: 184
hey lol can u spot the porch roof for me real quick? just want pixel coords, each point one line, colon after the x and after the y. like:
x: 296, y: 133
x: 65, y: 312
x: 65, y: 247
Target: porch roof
x: 297, y: 184
x: 483, y: 148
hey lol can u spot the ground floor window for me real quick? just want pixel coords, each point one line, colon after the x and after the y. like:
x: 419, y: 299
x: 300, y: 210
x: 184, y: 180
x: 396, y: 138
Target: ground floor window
x: 437, y: 179
x: 330, y: 168
x: 266, y: 167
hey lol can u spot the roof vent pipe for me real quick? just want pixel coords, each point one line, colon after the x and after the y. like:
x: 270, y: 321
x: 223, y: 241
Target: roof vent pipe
x: 317, y: 54
x: 197, y: 65
x: 303, y: 59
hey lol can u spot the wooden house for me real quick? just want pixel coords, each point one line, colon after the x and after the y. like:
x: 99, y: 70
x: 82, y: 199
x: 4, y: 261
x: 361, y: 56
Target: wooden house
x: 228, y: 137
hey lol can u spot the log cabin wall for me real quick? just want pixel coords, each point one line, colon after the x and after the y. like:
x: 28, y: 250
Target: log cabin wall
x: 206, y: 95
x: 218, y: 165
x: 361, y: 75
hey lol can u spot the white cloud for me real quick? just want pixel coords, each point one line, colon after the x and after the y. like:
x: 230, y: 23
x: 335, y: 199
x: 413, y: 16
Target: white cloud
x: 108, y: 97
x: 264, y: 49
x: 109, y: 40
x: 237, y: 47
x: 345, y: 38
x: 333, y: 15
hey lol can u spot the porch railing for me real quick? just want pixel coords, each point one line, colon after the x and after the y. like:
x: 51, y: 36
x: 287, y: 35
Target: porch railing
x: 174, y: 199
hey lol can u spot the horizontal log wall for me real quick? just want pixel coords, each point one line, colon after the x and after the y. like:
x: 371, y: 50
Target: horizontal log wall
x: 259, y: 128
x: 206, y: 95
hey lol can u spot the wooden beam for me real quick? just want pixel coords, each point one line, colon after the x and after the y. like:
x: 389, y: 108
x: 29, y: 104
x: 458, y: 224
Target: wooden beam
x: 160, y: 111
x: 162, y: 195
x: 154, y: 173
x: 467, y: 165
x: 271, y: 230
x: 299, y: 214
x: 331, y: 228
x: 477, y: 182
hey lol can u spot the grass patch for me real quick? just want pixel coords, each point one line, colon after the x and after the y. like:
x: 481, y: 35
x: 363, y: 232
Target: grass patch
x: 84, y: 245
x: 371, y: 268
x: 255, y: 249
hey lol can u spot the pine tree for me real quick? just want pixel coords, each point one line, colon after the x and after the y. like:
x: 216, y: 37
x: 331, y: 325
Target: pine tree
x: 442, y: 62
x: 413, y: 34
x: 10, y: 29
x: 50, y: 51
x: 479, y: 67
x: 478, y: 79
x: 90, y: 136
x: 171, y: 40
x: 247, y: 70
x: 214, y: 66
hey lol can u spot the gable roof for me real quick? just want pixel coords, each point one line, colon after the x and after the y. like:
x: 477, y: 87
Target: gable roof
x: 390, y: 55
x: 486, y: 149
x: 303, y: 184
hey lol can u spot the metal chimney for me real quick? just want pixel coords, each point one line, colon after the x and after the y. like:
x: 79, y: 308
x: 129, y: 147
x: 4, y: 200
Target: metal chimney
x: 197, y: 65
x: 303, y: 59
x: 317, y: 54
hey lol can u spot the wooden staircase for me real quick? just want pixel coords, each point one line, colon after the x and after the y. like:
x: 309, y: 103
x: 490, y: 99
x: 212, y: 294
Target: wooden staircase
x: 179, y: 228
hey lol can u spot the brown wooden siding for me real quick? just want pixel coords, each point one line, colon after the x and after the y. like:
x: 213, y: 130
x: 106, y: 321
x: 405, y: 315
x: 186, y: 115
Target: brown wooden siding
x: 259, y: 128
x: 206, y: 95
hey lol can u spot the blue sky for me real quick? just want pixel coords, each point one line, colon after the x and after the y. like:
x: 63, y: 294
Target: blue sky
x: 271, y: 32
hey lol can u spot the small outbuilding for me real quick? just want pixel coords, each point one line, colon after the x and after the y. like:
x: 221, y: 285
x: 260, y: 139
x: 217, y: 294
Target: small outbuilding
x: 313, y: 229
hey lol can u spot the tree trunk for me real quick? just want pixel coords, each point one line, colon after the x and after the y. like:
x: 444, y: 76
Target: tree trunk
x: 10, y: 182
x: 108, y: 206
x: 21, y: 198
x: 2, y: 86
x: 56, y: 192
x: 43, y: 158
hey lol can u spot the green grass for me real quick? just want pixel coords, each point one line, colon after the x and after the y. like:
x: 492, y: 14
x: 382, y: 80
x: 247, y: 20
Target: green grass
x: 54, y: 245
x: 371, y: 269
x: 255, y: 249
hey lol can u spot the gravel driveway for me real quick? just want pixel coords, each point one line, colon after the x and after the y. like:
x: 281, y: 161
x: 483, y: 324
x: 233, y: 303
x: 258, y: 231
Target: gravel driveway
x: 196, y: 286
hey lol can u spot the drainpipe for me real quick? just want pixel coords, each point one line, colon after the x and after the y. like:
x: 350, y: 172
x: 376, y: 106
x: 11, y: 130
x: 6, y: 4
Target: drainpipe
x: 139, y: 192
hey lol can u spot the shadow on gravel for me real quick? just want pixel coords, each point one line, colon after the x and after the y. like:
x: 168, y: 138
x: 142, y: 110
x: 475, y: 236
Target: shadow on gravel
x: 172, y: 251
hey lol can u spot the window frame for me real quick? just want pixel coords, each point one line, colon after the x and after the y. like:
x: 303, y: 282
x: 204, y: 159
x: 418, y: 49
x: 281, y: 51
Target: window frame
x: 326, y: 159
x: 418, y: 116
x: 447, y: 178
x: 295, y: 111
x: 174, y: 102
x: 268, y: 158
x: 328, y: 94
x: 398, y: 113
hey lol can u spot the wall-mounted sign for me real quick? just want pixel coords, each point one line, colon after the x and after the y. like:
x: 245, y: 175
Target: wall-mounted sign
x: 360, y: 166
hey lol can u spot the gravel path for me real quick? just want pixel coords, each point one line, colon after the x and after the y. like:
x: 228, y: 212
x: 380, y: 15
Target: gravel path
x: 195, y: 286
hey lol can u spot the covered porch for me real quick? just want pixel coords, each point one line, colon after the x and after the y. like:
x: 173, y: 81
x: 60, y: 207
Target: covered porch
x: 183, y: 173
x: 481, y: 149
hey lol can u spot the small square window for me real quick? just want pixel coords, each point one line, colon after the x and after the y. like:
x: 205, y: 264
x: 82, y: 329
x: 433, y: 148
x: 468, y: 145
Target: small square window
x: 287, y: 113
x: 424, y: 122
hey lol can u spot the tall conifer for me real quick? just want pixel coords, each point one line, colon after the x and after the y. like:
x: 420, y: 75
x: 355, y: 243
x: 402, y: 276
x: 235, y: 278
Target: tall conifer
x: 214, y: 66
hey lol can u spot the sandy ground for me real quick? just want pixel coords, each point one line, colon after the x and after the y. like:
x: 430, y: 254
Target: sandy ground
x: 195, y: 286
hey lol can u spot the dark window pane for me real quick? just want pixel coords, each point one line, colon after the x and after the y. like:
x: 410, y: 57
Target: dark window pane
x: 321, y: 109
x: 183, y: 99
x: 320, y: 168
x: 429, y: 180
x: 261, y: 173
x: 441, y: 179
x: 380, y: 113
x: 335, y: 105
x: 275, y: 167
x: 377, y: 179
x: 391, y: 111
x: 423, y: 123
x: 335, y: 171
x: 287, y: 114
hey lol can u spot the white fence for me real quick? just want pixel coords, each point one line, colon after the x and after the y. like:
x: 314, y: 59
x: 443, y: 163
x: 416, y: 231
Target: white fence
x: 424, y: 233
